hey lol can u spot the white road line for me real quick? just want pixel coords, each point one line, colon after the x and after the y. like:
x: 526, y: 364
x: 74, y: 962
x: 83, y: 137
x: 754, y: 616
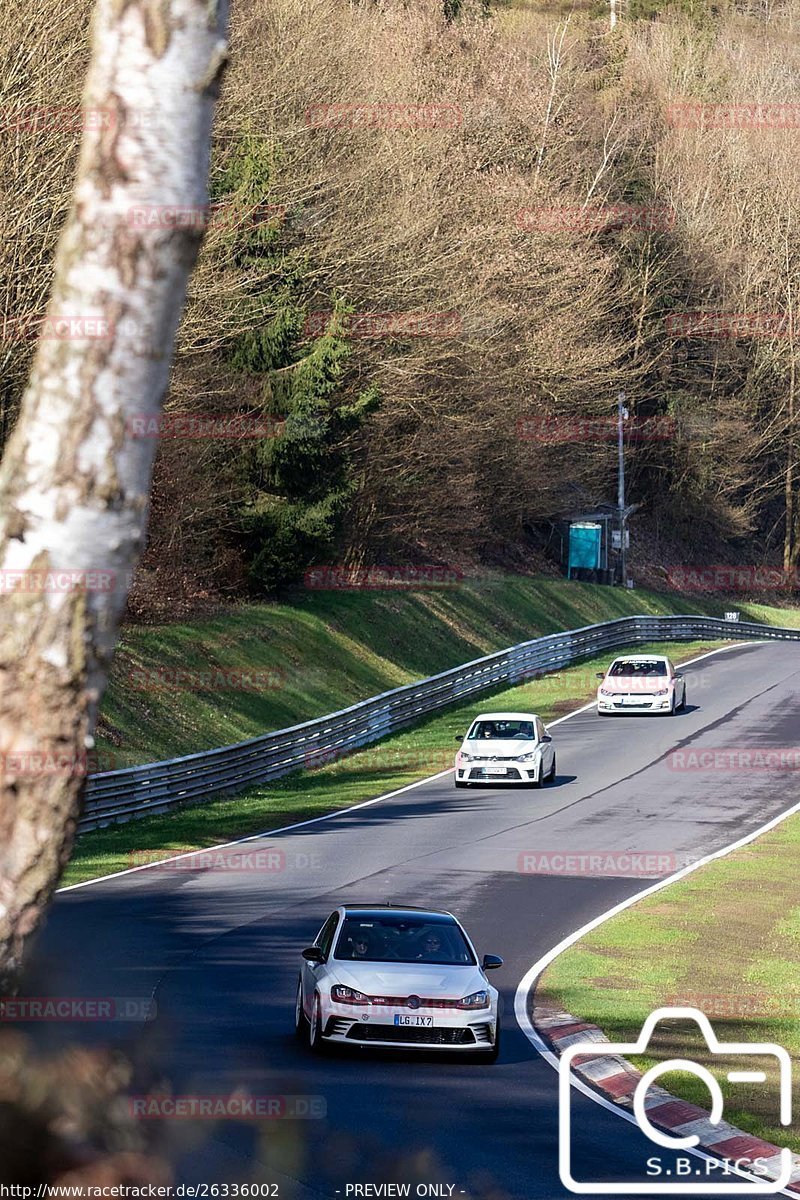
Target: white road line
x: 529, y: 979
x: 339, y: 812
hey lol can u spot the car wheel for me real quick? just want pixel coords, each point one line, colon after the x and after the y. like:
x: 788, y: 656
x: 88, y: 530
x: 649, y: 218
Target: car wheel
x: 673, y: 708
x: 683, y: 701
x: 315, y: 1028
x: 300, y: 1019
x: 552, y: 776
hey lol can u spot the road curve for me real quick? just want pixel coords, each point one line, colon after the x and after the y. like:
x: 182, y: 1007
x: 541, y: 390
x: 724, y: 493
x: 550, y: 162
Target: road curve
x: 218, y: 950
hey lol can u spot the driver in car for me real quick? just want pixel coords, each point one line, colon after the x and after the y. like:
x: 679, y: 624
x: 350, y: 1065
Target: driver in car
x: 432, y: 949
x: 360, y: 946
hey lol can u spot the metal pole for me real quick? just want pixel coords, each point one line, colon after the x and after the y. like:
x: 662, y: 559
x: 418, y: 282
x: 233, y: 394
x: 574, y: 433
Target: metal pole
x: 622, y: 413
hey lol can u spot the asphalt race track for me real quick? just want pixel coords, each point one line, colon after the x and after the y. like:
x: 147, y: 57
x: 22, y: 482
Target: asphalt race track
x: 219, y: 950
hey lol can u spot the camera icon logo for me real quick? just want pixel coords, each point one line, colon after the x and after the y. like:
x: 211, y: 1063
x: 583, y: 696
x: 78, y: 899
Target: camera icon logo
x: 673, y: 1142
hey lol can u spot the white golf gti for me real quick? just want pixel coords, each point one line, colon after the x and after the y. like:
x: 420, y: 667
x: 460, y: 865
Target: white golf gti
x: 506, y: 747
x: 402, y: 977
x: 644, y: 683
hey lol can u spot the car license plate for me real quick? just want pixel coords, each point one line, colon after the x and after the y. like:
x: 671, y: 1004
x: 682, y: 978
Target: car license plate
x: 495, y: 770
x: 404, y: 1020
x: 631, y: 700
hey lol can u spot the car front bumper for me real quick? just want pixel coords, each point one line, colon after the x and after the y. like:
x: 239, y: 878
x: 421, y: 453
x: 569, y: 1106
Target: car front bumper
x: 513, y: 771
x: 446, y: 1033
x: 643, y: 703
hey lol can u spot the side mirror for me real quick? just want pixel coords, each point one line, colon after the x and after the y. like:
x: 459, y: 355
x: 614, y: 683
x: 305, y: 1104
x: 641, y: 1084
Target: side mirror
x: 491, y: 962
x: 679, y: 677
x: 547, y: 738
x: 313, y: 954
x: 600, y: 675
x: 459, y: 740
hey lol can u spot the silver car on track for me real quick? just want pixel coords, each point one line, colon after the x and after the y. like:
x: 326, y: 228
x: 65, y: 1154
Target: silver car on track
x: 403, y: 978
x: 506, y: 747
x: 641, y: 683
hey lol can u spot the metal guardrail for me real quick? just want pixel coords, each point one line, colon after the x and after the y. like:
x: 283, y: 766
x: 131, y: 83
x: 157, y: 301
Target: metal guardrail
x: 116, y: 796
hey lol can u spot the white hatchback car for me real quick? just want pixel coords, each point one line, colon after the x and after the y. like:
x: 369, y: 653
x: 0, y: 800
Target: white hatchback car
x: 401, y: 977
x: 644, y: 683
x: 506, y: 747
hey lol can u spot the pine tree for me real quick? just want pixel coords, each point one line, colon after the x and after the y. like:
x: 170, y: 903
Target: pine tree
x: 300, y: 481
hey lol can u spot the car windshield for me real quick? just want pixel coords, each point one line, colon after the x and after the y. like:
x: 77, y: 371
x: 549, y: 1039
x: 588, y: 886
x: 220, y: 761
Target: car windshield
x: 638, y: 667
x: 503, y: 731
x: 403, y: 939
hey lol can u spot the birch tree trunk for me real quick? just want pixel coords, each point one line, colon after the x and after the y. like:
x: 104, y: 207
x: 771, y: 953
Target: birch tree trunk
x: 74, y: 482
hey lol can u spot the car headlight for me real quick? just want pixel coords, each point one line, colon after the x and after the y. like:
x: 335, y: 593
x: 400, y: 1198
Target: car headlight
x: 605, y: 692
x: 662, y: 692
x: 527, y: 757
x: 476, y: 1000
x: 464, y: 757
x: 346, y: 995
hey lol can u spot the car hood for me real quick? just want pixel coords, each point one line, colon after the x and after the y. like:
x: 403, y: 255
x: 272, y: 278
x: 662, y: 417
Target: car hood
x: 429, y: 980
x: 635, y: 683
x: 499, y: 747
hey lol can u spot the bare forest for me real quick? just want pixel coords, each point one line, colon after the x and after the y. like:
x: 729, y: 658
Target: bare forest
x: 437, y: 311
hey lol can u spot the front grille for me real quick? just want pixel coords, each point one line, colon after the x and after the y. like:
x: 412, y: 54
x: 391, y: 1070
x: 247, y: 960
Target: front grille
x: 412, y: 1035
x: 478, y: 773
x: 402, y: 1002
x: 494, y: 758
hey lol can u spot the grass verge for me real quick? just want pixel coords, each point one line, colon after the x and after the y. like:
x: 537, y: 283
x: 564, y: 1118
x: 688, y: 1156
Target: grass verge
x: 725, y: 940
x: 392, y: 763
x: 326, y: 650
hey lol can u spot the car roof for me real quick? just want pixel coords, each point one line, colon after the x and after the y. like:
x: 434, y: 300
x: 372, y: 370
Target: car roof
x: 400, y: 910
x: 506, y: 716
x: 641, y: 658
